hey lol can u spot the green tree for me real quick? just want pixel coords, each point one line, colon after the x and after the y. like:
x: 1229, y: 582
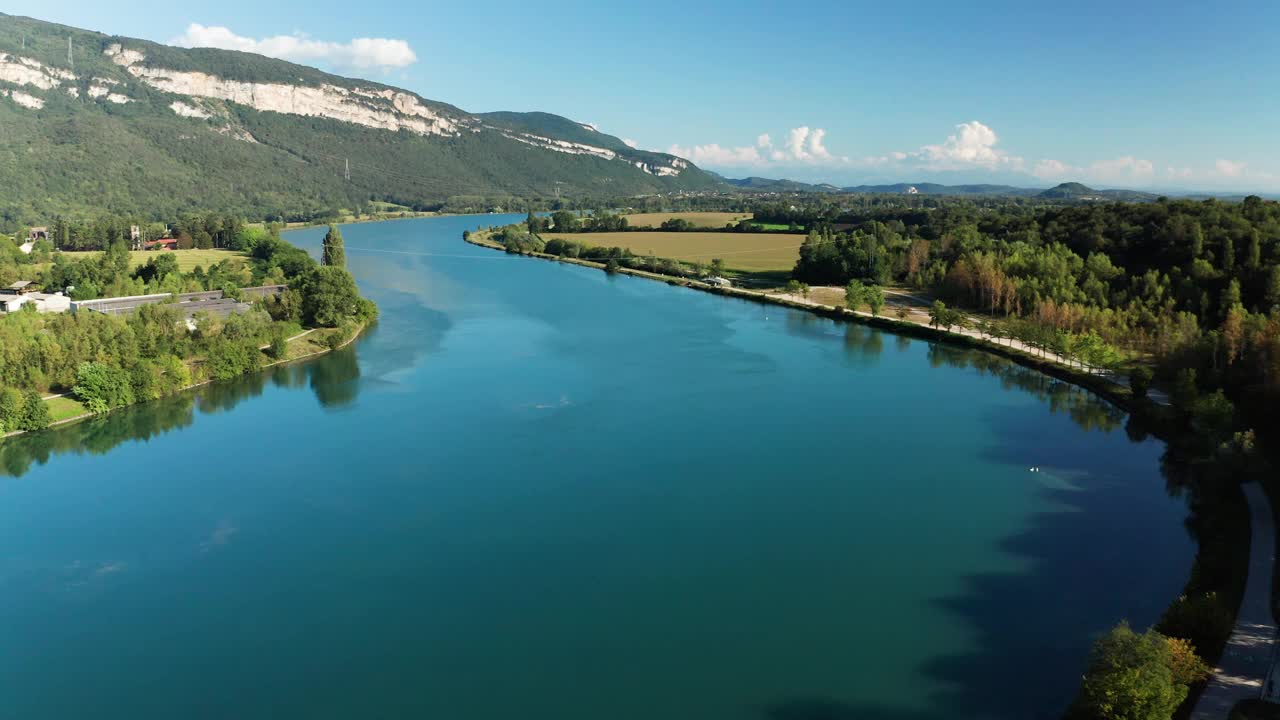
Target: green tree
x: 717, y: 267
x: 329, y: 296
x: 874, y: 296
x: 102, y: 387
x: 1130, y: 677
x: 10, y: 409
x: 35, y: 413
x: 334, y: 253
x: 938, y: 314
x: 854, y: 295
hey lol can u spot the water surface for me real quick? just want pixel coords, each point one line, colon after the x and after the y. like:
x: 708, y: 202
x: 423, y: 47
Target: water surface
x: 537, y: 491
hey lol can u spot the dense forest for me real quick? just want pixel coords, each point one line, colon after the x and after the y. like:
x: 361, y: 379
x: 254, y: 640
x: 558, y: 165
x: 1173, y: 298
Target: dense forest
x: 109, y: 361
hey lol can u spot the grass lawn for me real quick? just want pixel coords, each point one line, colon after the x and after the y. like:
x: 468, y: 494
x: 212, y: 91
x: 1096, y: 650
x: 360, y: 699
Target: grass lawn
x: 697, y: 219
x: 773, y: 226
x: 187, y: 259
x: 744, y: 252
x: 63, y: 408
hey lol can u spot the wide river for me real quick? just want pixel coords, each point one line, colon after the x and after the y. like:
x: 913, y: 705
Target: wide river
x: 537, y: 491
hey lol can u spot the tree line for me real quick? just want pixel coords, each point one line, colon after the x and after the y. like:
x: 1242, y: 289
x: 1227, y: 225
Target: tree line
x: 110, y: 361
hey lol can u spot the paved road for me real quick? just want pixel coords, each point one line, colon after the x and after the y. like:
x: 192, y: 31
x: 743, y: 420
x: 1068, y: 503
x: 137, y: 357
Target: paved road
x: 1247, y: 660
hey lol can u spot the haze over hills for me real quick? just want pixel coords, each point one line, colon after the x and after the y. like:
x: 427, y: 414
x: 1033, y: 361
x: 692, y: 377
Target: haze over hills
x: 134, y: 126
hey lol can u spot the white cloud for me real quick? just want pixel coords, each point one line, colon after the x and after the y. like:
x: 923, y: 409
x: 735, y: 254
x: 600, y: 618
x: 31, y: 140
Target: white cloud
x: 358, y: 53
x: 1053, y: 170
x: 1228, y: 168
x: 630, y: 143
x: 804, y: 146
x: 1178, y: 172
x: 973, y: 145
x: 1121, y: 169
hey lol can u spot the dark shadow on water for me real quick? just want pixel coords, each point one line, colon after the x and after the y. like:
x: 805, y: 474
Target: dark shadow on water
x: 1089, y: 560
x: 334, y: 378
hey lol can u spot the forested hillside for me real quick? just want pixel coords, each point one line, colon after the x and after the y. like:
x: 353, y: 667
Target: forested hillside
x: 138, y: 128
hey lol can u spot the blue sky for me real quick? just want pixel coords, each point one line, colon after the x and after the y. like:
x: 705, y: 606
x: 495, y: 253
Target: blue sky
x: 1115, y: 94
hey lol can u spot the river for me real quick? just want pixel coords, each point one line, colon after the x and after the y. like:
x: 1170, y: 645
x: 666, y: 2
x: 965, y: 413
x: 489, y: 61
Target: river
x: 534, y: 490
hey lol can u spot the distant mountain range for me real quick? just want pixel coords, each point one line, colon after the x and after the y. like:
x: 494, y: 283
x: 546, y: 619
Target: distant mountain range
x: 1066, y: 191
x: 133, y: 126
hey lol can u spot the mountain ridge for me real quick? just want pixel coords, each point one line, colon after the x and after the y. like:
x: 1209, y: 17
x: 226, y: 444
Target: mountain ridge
x: 220, y: 129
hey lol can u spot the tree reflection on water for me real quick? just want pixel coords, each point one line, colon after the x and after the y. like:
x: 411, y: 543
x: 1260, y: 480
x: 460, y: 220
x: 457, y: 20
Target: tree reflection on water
x: 333, y: 378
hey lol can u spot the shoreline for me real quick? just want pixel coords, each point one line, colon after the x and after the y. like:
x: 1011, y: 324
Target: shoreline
x: 89, y: 415
x: 1117, y: 395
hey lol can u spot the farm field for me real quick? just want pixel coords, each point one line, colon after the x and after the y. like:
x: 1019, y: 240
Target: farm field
x: 187, y: 259
x: 744, y: 252
x: 698, y: 219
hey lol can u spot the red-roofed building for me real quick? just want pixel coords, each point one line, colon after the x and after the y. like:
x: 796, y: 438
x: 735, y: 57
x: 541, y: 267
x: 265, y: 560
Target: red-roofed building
x: 161, y: 244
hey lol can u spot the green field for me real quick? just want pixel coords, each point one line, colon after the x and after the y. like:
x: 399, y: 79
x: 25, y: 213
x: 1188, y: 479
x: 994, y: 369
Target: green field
x: 744, y: 252
x: 187, y: 259
x: 65, y: 408
x: 697, y: 219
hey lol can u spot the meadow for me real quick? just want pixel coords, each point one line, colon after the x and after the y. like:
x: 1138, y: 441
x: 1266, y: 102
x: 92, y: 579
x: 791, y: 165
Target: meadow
x: 187, y: 259
x: 744, y: 252
x: 697, y: 219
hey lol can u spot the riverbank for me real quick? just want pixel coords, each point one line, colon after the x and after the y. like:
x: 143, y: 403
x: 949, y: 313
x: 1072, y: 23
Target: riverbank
x: 1115, y: 393
x: 66, y: 410
x: 1221, y: 567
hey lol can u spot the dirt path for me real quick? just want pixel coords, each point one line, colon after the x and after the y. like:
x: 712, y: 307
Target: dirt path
x: 1246, y: 663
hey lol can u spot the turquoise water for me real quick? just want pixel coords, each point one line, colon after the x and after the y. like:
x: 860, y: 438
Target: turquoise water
x: 537, y: 491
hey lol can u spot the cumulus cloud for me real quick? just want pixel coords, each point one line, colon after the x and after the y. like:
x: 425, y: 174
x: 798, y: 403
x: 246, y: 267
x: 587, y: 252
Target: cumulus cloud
x: 1229, y: 168
x: 803, y: 146
x: 358, y: 53
x: 973, y: 145
x: 1178, y: 172
x: 1053, y: 170
x: 630, y: 143
x: 1122, y: 169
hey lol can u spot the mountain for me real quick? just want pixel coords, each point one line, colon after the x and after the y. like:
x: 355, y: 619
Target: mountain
x: 759, y: 184
x: 133, y: 126
x: 1078, y: 191
x: 937, y: 189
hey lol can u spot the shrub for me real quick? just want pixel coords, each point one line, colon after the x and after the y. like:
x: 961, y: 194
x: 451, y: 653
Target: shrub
x: 1131, y: 677
x: 1202, y: 619
x: 35, y: 414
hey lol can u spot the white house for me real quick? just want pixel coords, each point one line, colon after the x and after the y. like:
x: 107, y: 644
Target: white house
x: 42, y: 302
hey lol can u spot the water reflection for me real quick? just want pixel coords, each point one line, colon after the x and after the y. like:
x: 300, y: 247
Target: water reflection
x: 334, y: 378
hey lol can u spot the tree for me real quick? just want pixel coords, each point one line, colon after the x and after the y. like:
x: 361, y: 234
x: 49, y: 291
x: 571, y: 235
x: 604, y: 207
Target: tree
x: 329, y: 296
x: 103, y: 387
x: 1131, y: 677
x: 35, y: 414
x: 335, y: 253
x: 874, y: 296
x: 717, y: 267
x: 1140, y: 381
x: 611, y: 266
x: 938, y: 313
x: 10, y: 409
x: 564, y: 221
x: 903, y: 313
x: 855, y: 295
x: 1185, y: 390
